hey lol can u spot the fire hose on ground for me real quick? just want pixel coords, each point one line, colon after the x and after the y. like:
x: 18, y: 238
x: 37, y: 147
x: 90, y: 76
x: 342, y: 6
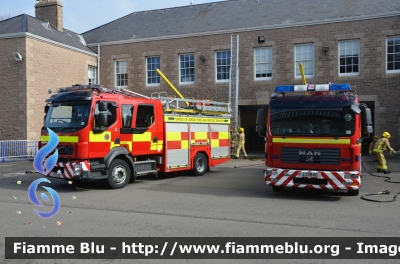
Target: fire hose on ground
x: 386, y: 192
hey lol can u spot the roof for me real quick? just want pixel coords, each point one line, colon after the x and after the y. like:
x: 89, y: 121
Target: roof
x: 236, y: 15
x: 28, y: 24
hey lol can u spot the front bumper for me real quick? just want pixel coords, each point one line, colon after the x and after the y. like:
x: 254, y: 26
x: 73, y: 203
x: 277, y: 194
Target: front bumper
x: 313, y: 179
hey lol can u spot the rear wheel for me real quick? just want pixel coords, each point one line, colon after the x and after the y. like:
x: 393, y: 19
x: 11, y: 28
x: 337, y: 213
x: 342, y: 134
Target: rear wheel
x: 119, y: 174
x: 200, y: 164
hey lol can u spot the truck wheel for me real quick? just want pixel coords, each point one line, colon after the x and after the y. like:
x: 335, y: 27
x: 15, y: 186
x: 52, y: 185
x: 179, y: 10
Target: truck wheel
x: 353, y: 192
x: 200, y: 164
x: 277, y: 188
x: 119, y: 174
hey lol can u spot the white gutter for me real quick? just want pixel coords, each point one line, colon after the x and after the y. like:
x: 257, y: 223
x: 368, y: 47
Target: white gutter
x: 30, y: 35
x: 264, y: 27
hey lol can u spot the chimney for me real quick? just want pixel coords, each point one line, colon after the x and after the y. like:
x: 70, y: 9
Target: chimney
x: 51, y: 11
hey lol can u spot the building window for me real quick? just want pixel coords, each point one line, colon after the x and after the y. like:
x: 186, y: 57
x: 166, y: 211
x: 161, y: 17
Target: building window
x: 186, y: 68
x: 153, y: 63
x: 121, y: 73
x: 92, y: 75
x: 349, y: 57
x: 304, y: 54
x: 223, y: 63
x: 393, y: 54
x: 263, y: 63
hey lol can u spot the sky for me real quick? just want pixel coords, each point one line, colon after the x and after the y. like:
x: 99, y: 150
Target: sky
x: 83, y: 15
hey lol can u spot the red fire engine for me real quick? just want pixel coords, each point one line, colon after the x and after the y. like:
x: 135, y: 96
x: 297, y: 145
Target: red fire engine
x: 313, y: 139
x: 117, y: 135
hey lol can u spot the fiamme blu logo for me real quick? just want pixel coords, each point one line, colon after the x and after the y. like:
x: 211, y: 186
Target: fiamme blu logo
x: 44, y: 165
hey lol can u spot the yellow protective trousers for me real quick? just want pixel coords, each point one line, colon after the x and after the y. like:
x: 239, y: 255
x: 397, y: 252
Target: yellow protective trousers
x: 381, y: 160
x: 241, y: 147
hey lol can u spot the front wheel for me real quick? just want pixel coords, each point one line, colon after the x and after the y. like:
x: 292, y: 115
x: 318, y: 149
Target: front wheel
x: 353, y: 192
x: 200, y: 164
x: 119, y: 174
x: 277, y: 188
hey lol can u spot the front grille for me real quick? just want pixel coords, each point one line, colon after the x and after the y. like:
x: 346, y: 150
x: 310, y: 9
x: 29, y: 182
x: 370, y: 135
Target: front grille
x: 310, y: 181
x: 65, y: 150
x: 310, y: 156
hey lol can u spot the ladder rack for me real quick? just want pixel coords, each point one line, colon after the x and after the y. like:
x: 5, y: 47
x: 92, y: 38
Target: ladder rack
x: 169, y: 104
x: 130, y: 93
x: 195, y: 106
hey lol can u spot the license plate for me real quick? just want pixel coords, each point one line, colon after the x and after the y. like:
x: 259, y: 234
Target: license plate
x: 56, y: 175
x: 309, y: 174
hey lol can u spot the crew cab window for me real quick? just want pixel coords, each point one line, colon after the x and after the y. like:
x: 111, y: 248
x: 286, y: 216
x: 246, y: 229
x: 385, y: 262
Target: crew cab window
x: 111, y: 113
x: 127, y: 114
x: 145, y: 116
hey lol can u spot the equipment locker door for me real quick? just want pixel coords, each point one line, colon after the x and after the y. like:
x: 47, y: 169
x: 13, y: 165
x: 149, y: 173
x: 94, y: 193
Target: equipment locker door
x: 177, y: 145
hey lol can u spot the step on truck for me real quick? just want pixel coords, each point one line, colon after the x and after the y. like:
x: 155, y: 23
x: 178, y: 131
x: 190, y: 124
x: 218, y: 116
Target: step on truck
x: 313, y: 137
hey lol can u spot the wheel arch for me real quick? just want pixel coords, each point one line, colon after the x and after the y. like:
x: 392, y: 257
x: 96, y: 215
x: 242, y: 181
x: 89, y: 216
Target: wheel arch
x: 119, y: 153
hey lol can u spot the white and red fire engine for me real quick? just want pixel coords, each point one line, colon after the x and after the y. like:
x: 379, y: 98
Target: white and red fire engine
x: 313, y: 138
x: 117, y: 135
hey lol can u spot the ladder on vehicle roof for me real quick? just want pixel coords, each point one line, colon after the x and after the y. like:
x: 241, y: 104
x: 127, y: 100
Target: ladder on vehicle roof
x: 182, y: 105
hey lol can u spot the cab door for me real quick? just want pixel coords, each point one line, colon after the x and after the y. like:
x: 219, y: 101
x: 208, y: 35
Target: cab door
x: 146, y: 136
x: 101, y: 139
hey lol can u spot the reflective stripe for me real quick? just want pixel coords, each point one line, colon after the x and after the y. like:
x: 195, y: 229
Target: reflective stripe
x: 157, y: 146
x: 64, y: 139
x: 178, y: 119
x: 311, y: 140
x: 129, y: 143
x: 174, y: 136
x: 100, y: 137
x: 145, y: 137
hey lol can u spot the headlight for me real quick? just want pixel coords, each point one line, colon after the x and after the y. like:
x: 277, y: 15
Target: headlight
x: 77, y: 169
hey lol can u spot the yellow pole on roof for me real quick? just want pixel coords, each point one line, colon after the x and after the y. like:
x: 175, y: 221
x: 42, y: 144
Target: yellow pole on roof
x: 170, y: 85
x: 303, y: 77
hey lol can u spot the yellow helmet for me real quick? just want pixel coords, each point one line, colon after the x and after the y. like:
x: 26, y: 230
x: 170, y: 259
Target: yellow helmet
x: 241, y: 129
x: 375, y: 137
x: 386, y: 134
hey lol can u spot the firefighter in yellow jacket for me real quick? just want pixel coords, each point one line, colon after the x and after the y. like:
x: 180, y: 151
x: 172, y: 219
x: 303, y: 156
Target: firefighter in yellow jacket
x: 241, y: 143
x: 371, y: 147
x: 234, y: 142
x: 381, y: 145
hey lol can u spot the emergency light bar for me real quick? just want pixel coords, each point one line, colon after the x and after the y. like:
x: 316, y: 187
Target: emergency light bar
x: 313, y: 88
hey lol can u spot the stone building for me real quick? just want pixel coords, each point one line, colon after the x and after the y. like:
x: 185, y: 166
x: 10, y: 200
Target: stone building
x: 37, y: 54
x: 355, y: 42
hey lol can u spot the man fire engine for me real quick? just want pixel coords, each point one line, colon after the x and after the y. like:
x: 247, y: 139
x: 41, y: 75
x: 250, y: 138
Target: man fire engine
x: 313, y: 139
x: 116, y: 135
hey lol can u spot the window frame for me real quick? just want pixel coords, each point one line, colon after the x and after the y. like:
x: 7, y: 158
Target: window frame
x: 157, y: 66
x: 267, y: 62
x: 191, y: 67
x: 228, y: 66
x: 395, y: 37
x: 115, y: 74
x: 348, y: 56
x: 92, y: 70
x: 297, y: 62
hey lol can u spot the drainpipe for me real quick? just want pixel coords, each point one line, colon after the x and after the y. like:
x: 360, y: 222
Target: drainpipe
x: 98, y: 64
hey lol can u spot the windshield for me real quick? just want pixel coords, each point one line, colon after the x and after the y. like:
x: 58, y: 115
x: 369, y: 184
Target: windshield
x: 306, y: 122
x: 68, y: 115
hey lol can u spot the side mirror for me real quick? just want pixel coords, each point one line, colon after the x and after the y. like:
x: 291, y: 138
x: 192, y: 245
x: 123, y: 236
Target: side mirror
x: 260, y: 117
x: 259, y: 129
x: 367, y: 120
x: 260, y: 121
x: 46, y: 109
x: 103, y: 106
x: 101, y: 123
x: 102, y: 120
